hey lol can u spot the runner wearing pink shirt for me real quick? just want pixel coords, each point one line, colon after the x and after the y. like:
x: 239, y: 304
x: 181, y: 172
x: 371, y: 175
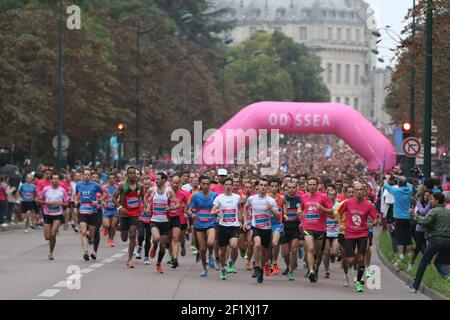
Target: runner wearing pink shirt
x: 357, y: 212
x: 176, y: 216
x: 315, y: 209
x: 53, y: 198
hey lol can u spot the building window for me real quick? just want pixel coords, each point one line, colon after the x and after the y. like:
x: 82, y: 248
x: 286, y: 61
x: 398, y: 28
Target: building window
x: 303, y: 33
x: 356, y: 103
x: 348, y: 35
x: 356, y: 82
x: 252, y: 30
x: 347, y: 101
x: 358, y: 35
x: 338, y: 73
x: 338, y: 99
x: 330, y: 33
x: 329, y: 72
x: 339, y: 34
x: 347, y: 74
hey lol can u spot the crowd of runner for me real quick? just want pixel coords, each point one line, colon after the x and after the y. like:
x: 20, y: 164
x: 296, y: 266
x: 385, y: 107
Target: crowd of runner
x: 295, y: 218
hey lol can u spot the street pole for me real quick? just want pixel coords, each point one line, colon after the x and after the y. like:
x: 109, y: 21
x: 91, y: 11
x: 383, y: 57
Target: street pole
x: 61, y: 86
x: 410, y: 162
x: 138, y: 93
x: 428, y: 91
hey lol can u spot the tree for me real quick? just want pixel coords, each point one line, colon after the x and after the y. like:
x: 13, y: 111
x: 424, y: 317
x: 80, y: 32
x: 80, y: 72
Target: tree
x: 397, y: 101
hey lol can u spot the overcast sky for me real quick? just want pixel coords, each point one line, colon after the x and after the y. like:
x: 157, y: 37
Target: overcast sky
x: 392, y: 13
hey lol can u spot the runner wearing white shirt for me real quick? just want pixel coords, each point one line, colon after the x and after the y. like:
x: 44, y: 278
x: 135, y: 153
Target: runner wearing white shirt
x: 53, y: 198
x: 263, y: 208
x: 228, y: 207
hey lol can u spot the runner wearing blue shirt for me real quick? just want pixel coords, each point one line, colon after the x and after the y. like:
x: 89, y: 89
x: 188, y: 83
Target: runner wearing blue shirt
x: 201, y: 206
x: 27, y: 194
x: 86, y: 196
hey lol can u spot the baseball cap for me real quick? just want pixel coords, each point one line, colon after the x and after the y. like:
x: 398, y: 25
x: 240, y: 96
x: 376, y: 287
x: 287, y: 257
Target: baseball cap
x: 222, y: 172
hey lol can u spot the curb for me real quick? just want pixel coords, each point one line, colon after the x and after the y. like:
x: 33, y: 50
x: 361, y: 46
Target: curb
x: 432, y: 294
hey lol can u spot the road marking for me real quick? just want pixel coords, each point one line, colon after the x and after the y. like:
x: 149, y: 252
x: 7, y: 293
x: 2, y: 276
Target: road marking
x: 109, y: 260
x: 75, y: 276
x: 49, y: 293
x: 61, y: 284
x: 118, y: 255
x: 86, y: 270
x: 97, y: 265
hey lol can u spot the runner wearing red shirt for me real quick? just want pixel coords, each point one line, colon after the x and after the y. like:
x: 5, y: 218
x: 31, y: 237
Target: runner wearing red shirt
x: 315, y: 208
x: 129, y: 206
x: 357, y: 210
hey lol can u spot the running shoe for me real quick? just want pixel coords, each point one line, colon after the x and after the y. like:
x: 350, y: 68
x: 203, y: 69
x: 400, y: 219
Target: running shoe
x: 183, y: 251
x: 187, y: 236
x: 50, y: 257
x: 412, y: 288
x: 159, y: 268
x: 86, y: 256
x: 333, y: 258
x: 311, y: 276
x: 93, y: 256
x: 212, y: 262
x: 26, y: 230
x: 175, y: 263
x: 130, y: 265
x: 327, y: 274
x: 231, y: 268
x: 105, y: 231
x: 197, y: 257
x: 153, y: 252
x: 339, y: 258
x: 193, y: 249
x: 204, y: 273
x: 255, y: 272
x: 260, y: 276
x: 359, y: 287
x: 138, y: 252
x: 345, y: 281
x: 76, y: 229
x: 275, y: 269
x: 146, y: 261
x: 242, y: 254
x: 267, y: 270
x: 305, y: 266
x: 368, y: 274
x: 223, y: 274
x: 285, y: 272
x: 170, y: 261
x: 290, y: 276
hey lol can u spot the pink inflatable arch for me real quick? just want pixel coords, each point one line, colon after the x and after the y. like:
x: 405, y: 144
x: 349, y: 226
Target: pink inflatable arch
x: 311, y: 118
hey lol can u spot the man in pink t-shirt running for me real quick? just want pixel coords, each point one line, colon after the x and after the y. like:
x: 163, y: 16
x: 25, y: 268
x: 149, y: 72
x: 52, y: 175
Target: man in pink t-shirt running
x: 357, y: 210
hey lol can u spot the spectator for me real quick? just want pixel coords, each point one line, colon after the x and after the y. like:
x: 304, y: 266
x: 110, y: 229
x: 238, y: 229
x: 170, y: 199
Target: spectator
x: 447, y: 199
x: 3, y: 201
x: 11, y: 192
x: 402, y: 203
x: 422, y: 208
x: 387, y: 209
x: 437, y: 223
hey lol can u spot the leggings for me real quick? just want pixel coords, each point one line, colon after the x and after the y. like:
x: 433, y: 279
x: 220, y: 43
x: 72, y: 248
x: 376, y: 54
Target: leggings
x: 144, y: 230
x: 97, y: 229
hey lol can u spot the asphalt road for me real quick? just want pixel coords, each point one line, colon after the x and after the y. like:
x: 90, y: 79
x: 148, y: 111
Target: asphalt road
x: 26, y: 273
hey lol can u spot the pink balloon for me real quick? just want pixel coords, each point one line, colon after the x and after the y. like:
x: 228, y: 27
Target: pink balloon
x: 310, y: 118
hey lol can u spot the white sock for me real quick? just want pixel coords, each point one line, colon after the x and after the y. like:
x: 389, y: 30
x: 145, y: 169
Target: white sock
x: 401, y: 257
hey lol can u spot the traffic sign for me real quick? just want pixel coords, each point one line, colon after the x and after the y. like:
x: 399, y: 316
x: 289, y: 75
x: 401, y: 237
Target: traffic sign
x: 411, y: 147
x: 65, y: 142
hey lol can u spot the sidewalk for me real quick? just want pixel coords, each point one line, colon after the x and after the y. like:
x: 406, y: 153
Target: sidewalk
x: 19, y: 225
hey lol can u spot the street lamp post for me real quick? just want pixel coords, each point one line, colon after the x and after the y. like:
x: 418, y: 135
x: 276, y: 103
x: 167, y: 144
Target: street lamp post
x: 410, y: 162
x: 60, y: 86
x: 428, y: 91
